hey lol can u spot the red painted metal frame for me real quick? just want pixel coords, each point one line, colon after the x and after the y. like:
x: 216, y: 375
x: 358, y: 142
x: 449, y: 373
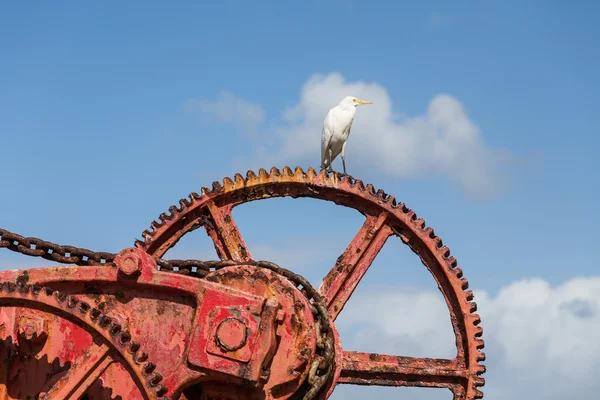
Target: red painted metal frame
x: 163, y: 340
x: 139, y: 332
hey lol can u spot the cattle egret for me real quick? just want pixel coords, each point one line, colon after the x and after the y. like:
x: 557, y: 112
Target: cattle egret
x: 336, y: 130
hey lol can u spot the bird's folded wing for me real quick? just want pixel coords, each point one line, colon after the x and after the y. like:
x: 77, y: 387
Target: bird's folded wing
x: 326, y: 135
x: 349, y: 127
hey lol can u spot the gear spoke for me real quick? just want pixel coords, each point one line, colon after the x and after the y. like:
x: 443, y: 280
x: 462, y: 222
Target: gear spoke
x: 78, y: 379
x: 224, y: 232
x: 350, y: 267
x: 384, y: 370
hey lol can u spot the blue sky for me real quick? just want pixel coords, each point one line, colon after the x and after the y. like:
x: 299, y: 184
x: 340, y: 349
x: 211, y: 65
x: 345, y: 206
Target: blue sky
x: 110, y: 114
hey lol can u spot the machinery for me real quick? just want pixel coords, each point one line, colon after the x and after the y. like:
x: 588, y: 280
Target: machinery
x: 135, y: 326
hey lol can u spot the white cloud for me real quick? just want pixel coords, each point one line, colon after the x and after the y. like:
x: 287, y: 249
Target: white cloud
x: 397, y: 316
x: 443, y: 141
x: 227, y: 108
x: 541, y: 341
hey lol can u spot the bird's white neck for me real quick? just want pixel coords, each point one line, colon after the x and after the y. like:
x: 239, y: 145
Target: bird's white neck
x: 347, y: 107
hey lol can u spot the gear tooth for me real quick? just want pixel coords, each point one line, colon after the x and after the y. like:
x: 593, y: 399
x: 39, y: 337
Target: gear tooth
x: 452, y: 261
x: 478, y: 394
x: 298, y: 172
x: 479, y: 343
x: 311, y: 173
x: 263, y: 174
x: 205, y: 191
x: 138, y: 243
x: 430, y: 232
x: 464, y: 283
x: 146, y: 234
x: 154, y: 225
x: 370, y: 189
x: 216, y: 186
x: 239, y: 181
x: 59, y: 296
x: 323, y: 174
x: 351, y: 181
x: 141, y: 357
x: 480, y: 381
x: 287, y: 171
x: 360, y: 184
x: 275, y: 172
x: 458, y: 272
x: 383, y: 196
x: 469, y: 295
x: 473, y: 307
x: 11, y: 287
x: 392, y: 201
x: 420, y: 222
x: 228, y: 183
x: 250, y: 175
x: 405, y: 209
x: 164, y: 217
x: 194, y: 196
x: 173, y: 210
x: 183, y: 203
x: 478, y: 332
x: 476, y: 319
x: 481, y: 357
x: 445, y: 250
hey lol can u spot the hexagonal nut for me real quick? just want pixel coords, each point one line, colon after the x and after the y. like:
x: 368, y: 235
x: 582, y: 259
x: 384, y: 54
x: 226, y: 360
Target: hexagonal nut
x: 130, y: 265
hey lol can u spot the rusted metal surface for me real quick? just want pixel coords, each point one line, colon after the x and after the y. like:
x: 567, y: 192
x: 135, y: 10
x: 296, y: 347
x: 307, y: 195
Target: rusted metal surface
x: 167, y: 342
x: 134, y: 325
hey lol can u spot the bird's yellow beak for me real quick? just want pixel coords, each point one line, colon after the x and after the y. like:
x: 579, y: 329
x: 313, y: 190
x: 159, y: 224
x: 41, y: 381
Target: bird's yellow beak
x: 362, y: 101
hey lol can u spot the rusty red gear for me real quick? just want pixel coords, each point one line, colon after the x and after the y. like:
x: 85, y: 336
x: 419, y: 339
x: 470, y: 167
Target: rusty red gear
x: 384, y: 218
x: 116, y: 345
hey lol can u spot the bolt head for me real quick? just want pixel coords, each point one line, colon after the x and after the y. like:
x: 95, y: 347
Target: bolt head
x: 131, y: 265
x: 231, y: 334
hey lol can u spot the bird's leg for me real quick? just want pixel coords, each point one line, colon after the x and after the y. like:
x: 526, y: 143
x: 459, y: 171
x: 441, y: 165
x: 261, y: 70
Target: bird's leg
x: 329, y: 152
x: 344, y: 157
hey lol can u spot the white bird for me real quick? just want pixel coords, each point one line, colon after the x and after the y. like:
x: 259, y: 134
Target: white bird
x: 336, y: 130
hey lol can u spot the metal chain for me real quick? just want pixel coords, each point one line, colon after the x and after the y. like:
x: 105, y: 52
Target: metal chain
x: 51, y: 251
x: 322, y: 366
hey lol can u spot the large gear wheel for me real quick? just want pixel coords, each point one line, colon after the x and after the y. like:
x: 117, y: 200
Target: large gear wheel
x: 384, y: 218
